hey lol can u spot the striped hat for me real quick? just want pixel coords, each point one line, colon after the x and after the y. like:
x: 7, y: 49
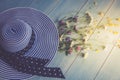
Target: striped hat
x: 28, y: 43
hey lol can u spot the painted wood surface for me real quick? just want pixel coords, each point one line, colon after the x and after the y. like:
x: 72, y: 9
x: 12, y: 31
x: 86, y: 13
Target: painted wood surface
x: 110, y: 69
x: 102, y: 66
x: 81, y: 68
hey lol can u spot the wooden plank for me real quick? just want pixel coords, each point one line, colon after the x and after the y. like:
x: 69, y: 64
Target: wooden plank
x: 67, y: 7
x: 45, y: 6
x: 111, y: 67
x: 86, y: 69
x: 6, y: 4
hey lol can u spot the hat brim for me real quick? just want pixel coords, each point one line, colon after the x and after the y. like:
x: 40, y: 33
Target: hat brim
x: 46, y: 38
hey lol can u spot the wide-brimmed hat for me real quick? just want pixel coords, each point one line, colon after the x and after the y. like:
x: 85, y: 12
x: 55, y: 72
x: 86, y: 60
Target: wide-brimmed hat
x: 28, y: 43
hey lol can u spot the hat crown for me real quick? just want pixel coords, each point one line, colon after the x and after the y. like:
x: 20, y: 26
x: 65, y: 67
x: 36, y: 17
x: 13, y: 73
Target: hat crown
x: 15, y: 35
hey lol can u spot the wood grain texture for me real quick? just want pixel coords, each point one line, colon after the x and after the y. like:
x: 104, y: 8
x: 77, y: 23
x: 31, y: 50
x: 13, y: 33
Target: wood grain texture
x: 110, y: 70
x: 45, y: 6
x: 67, y: 7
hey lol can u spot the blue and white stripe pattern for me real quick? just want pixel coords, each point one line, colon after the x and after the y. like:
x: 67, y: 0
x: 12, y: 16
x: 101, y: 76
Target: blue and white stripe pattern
x: 16, y: 27
x: 15, y: 35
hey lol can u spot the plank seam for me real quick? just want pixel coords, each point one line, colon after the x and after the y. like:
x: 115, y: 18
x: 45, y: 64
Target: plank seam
x: 53, y: 7
x: 110, y: 50
x: 77, y: 54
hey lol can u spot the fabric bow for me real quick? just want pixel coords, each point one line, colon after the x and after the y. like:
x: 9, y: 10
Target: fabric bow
x: 30, y: 65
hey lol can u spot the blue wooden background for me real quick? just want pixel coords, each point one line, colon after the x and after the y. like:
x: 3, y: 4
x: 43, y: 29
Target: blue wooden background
x: 103, y: 66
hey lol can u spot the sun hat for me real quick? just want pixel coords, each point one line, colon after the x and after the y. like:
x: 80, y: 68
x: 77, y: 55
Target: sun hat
x: 28, y: 43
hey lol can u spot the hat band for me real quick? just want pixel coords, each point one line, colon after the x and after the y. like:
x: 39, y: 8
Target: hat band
x: 30, y: 65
